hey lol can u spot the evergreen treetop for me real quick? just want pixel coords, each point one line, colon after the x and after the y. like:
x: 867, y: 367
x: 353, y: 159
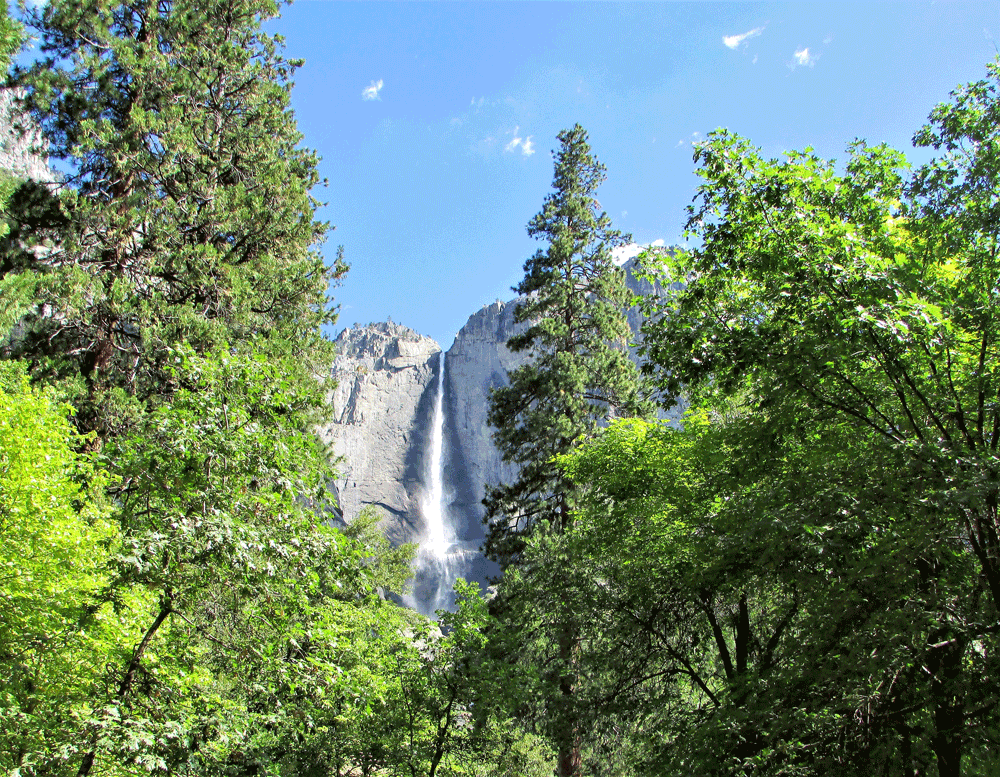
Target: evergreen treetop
x: 185, y: 215
x: 580, y: 371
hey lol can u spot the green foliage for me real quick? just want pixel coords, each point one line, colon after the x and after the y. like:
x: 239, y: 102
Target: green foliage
x: 187, y: 217
x: 579, y: 375
x: 806, y: 575
x: 55, y: 541
x: 719, y: 608
x: 15, y: 295
x: 389, y: 566
x: 172, y: 294
x: 11, y: 38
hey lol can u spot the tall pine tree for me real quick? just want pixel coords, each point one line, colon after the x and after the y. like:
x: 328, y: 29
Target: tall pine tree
x: 185, y: 214
x: 179, y: 299
x: 579, y: 374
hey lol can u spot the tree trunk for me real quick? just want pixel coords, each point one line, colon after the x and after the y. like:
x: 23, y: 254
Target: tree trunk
x: 570, y: 759
x: 945, y: 661
x: 125, y: 686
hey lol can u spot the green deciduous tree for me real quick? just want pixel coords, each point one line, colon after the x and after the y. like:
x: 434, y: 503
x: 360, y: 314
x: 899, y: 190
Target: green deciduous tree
x: 853, y: 314
x: 755, y: 599
x: 55, y: 543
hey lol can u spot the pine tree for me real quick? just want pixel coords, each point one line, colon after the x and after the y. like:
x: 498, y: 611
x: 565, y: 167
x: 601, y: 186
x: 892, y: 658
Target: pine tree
x: 578, y: 376
x: 185, y: 215
x: 580, y: 373
x: 179, y: 299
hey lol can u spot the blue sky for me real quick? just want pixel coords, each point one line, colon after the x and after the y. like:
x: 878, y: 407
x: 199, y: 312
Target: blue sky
x: 435, y: 121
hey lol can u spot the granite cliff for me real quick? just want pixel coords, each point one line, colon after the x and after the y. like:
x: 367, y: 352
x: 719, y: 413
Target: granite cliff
x: 20, y: 143
x: 380, y: 409
x: 383, y: 406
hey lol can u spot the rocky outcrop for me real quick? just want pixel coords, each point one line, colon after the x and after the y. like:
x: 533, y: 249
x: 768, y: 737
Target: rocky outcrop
x: 19, y: 147
x: 381, y: 406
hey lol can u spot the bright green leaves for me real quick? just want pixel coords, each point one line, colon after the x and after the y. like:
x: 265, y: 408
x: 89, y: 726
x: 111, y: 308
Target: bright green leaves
x: 50, y: 509
x: 55, y: 544
x: 840, y: 330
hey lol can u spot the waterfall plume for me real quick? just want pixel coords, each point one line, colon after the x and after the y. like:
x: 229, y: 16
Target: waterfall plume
x: 442, y: 558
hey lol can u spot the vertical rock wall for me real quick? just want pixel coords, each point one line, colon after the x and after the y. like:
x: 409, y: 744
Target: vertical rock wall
x: 20, y: 150
x: 382, y: 405
x: 478, y: 361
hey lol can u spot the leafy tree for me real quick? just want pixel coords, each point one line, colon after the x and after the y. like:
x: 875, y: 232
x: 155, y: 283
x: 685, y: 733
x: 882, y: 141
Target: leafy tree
x: 579, y: 374
x: 55, y: 540
x: 858, y: 308
x: 733, y: 622
x: 11, y: 38
x: 14, y: 294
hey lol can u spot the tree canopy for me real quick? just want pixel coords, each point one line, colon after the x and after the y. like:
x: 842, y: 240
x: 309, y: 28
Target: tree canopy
x: 804, y: 575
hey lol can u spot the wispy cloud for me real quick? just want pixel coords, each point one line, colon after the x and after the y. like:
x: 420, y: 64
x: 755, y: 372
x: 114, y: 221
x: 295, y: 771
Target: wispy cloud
x: 371, y: 91
x: 734, y: 41
x: 525, y: 144
x: 694, y: 137
x: 803, y: 58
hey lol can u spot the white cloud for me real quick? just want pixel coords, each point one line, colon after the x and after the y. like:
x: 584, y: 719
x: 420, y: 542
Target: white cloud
x: 622, y: 254
x: 734, y: 41
x: 371, y: 91
x: 525, y: 144
x: 693, y: 138
x: 804, y: 58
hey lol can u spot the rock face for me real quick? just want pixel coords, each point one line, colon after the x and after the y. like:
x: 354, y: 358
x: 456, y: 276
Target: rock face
x: 381, y: 408
x: 478, y: 361
x: 19, y: 150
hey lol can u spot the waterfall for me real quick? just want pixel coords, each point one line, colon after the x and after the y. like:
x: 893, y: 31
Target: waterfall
x: 440, y: 534
x: 442, y: 558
